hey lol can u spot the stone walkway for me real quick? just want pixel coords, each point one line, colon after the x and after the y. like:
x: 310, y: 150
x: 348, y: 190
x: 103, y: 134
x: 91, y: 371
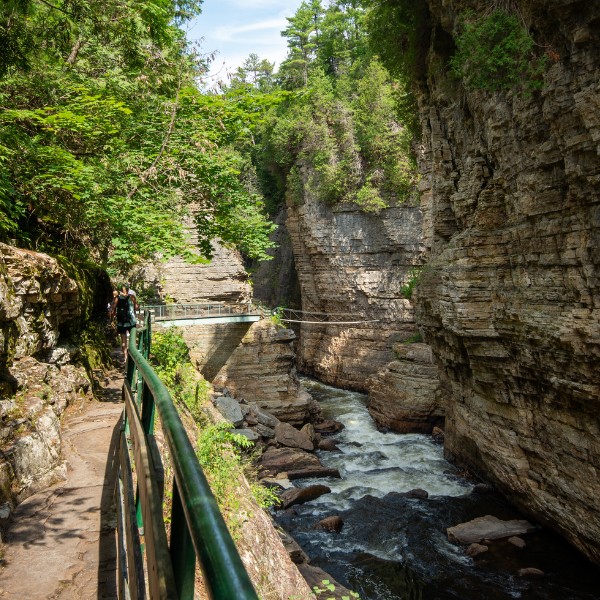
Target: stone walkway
x: 61, y: 544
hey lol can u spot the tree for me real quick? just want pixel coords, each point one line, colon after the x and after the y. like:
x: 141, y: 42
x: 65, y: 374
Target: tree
x: 302, y: 34
x: 105, y: 140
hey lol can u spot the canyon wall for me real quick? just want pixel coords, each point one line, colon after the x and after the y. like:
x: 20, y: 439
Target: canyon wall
x: 39, y: 304
x: 352, y: 265
x: 256, y: 361
x: 509, y: 302
x: 223, y: 279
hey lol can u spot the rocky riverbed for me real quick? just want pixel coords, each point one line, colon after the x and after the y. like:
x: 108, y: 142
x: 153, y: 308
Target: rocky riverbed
x: 393, y: 545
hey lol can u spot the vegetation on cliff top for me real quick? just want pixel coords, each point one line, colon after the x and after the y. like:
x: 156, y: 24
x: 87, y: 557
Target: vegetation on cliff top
x: 344, y: 134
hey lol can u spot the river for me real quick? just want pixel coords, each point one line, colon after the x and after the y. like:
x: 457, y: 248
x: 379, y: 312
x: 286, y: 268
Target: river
x: 393, y: 547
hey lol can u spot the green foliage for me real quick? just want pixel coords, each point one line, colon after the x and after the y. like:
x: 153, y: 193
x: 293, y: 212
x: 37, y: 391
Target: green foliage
x: 414, y: 275
x: 105, y: 140
x: 330, y: 587
x: 398, y: 34
x: 171, y: 358
x: 496, y: 52
x: 342, y: 142
x: 219, y: 450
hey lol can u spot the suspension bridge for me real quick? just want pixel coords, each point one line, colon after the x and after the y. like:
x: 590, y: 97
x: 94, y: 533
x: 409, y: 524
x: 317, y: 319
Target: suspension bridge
x: 180, y: 315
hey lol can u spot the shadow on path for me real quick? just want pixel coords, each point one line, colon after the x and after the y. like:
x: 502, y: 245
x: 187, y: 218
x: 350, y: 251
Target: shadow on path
x: 107, y: 551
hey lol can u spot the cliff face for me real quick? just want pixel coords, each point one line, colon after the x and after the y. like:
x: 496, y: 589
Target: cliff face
x: 352, y: 262
x: 38, y: 301
x: 256, y: 361
x: 509, y: 302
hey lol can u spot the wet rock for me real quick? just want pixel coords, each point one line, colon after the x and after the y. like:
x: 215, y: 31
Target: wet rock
x: 278, y: 460
x: 482, y: 488
x: 289, y: 436
x: 230, y: 410
x: 517, y: 541
x: 328, y: 445
x: 332, y: 524
x: 295, y: 496
x: 531, y: 572
x: 315, y: 576
x: 488, y: 527
x: 328, y: 426
x: 476, y: 549
x: 309, y: 431
x: 313, y: 472
x: 417, y: 493
x: 294, y: 551
x: 437, y: 433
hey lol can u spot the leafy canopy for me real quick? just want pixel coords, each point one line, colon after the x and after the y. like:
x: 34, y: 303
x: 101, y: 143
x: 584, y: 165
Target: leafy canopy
x: 106, y: 141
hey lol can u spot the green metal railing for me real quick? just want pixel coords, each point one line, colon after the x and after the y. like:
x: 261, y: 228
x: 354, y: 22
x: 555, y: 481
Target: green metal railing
x: 149, y: 566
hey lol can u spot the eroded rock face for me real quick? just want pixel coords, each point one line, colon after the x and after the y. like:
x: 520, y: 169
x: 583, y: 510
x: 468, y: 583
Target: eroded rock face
x: 256, y: 361
x: 510, y: 302
x: 38, y: 301
x: 352, y: 262
x: 404, y: 396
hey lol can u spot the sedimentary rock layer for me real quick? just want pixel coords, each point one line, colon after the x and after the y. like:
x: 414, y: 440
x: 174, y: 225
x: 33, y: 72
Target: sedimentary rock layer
x: 351, y: 262
x: 510, y: 301
x: 404, y: 396
x: 37, y: 301
x: 256, y: 361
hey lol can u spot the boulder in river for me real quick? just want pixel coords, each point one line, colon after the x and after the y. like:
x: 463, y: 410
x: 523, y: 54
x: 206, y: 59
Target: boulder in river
x: 289, y: 436
x: 328, y: 445
x: 328, y: 426
x: 332, y: 524
x: 476, y: 549
x: 314, y: 472
x: 487, y: 528
x: 517, y: 541
x: 301, y: 495
x: 279, y: 460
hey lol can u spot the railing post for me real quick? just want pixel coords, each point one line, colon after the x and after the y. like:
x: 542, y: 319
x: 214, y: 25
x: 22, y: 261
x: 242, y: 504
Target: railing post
x: 181, y: 547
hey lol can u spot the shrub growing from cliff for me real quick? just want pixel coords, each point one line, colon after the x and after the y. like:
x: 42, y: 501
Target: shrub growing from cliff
x: 496, y: 52
x: 342, y: 141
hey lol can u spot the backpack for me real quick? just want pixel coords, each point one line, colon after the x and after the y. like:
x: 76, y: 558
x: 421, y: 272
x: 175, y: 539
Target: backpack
x: 123, y: 310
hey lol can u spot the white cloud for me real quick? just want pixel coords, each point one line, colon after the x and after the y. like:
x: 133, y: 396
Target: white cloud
x: 228, y: 33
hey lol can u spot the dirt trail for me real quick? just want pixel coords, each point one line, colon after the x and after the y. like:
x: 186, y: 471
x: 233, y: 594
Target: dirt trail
x: 61, y: 544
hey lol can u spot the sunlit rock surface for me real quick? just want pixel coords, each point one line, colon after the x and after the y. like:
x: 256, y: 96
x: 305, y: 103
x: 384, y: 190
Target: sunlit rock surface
x: 510, y: 302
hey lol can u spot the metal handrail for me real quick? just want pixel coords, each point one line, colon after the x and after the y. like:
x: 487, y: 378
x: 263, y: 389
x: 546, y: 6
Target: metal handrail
x: 198, y: 529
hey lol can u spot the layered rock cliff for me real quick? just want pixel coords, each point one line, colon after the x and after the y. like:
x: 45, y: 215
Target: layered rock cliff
x: 509, y: 302
x: 352, y: 265
x: 256, y: 361
x: 38, y: 303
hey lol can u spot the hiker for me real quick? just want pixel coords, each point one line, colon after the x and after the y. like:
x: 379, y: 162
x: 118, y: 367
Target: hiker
x: 123, y: 312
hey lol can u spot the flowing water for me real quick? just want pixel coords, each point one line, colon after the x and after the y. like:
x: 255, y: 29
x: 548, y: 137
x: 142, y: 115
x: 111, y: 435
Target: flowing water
x: 393, y: 547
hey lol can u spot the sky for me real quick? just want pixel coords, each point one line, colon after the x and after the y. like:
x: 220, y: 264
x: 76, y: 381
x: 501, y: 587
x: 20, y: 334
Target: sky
x: 236, y: 28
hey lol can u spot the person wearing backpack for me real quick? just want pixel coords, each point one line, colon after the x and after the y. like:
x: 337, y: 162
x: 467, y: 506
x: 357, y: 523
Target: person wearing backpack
x: 122, y: 312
